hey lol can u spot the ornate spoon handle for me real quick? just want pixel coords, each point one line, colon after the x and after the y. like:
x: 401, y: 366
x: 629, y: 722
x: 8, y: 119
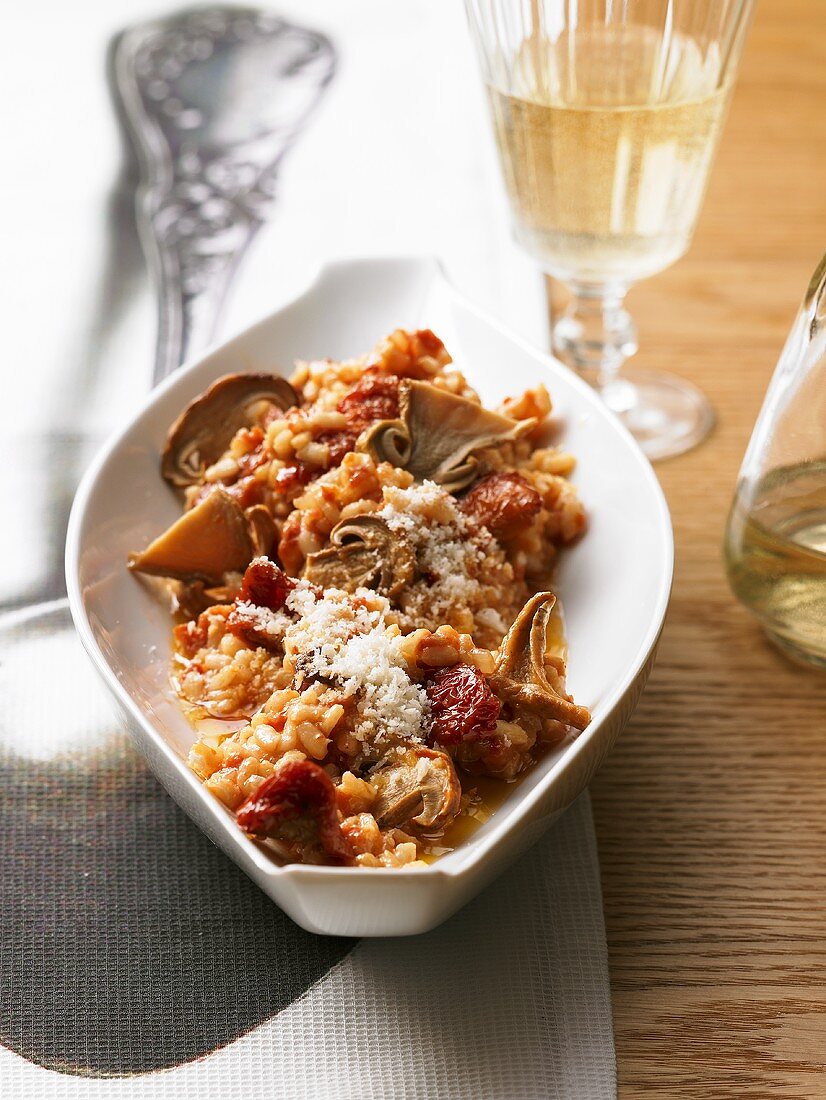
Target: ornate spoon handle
x: 212, y: 99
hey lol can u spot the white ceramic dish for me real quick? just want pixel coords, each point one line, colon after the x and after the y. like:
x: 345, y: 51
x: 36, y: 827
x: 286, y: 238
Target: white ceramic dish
x: 614, y: 585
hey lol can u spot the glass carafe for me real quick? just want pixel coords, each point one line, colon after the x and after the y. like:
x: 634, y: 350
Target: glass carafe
x: 775, y: 542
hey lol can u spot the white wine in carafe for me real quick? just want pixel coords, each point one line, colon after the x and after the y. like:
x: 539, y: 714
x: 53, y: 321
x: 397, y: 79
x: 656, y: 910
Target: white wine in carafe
x: 776, y: 556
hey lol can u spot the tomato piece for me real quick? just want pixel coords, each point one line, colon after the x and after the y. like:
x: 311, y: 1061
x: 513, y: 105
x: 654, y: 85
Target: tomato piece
x: 462, y: 705
x: 375, y: 397
x: 339, y: 442
x: 503, y: 502
x: 192, y: 636
x: 265, y: 585
x: 297, y: 806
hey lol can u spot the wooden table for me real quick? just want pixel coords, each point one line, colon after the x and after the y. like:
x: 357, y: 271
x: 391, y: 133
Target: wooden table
x: 711, y: 812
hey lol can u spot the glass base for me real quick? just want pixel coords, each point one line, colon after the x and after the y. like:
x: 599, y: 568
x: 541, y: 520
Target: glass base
x: 666, y: 415
x: 795, y: 652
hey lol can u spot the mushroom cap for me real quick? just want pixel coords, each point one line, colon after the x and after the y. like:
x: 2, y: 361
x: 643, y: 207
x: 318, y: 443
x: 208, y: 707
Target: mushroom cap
x: 205, y: 428
x: 416, y: 787
x: 363, y: 553
x: 438, y: 435
x: 520, y: 677
x: 209, y: 540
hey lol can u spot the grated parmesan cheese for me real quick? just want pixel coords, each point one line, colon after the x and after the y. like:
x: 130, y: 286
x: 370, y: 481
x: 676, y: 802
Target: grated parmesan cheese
x: 449, y: 549
x: 273, y: 624
x: 347, y: 639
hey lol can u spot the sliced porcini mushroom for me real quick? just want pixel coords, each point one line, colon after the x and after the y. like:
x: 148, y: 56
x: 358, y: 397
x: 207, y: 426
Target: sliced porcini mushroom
x: 520, y: 677
x: 363, y: 553
x: 416, y: 786
x: 438, y: 435
x: 261, y: 528
x: 209, y: 540
x: 205, y: 428
x: 190, y: 598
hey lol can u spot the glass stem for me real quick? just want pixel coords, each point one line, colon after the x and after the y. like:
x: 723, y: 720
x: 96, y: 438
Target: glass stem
x: 594, y: 336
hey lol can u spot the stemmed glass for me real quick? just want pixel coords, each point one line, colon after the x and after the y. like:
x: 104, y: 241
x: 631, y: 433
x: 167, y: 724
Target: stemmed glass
x: 607, y: 115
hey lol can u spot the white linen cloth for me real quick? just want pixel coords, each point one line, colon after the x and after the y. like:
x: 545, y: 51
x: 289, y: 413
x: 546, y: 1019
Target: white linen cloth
x: 510, y: 998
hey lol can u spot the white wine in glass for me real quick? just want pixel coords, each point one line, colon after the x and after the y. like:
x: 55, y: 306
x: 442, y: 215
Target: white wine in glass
x: 607, y: 118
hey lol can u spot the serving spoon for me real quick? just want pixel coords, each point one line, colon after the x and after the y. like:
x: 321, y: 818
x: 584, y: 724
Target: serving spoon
x: 212, y: 98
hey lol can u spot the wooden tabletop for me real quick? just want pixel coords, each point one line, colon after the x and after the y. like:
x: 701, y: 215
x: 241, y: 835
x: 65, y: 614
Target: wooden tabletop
x: 711, y: 812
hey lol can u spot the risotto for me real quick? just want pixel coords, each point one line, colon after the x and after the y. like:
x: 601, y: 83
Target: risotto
x: 362, y: 578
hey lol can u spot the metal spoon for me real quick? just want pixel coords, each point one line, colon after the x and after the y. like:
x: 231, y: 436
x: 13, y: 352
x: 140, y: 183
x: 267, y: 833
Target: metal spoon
x: 212, y: 98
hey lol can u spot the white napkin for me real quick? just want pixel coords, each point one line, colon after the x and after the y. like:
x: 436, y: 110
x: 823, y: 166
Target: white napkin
x: 510, y: 998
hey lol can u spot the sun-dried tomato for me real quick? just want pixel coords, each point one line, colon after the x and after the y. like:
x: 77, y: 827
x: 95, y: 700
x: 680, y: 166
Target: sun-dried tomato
x: 290, y: 480
x: 265, y: 585
x: 242, y: 623
x: 428, y: 342
x: 462, y: 706
x: 297, y: 806
x: 376, y: 397
x: 338, y: 441
x: 503, y: 502
x: 254, y: 455
x: 248, y: 491
x: 192, y: 636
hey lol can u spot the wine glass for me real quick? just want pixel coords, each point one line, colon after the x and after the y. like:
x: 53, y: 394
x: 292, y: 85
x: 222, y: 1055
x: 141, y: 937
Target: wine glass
x: 607, y: 115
